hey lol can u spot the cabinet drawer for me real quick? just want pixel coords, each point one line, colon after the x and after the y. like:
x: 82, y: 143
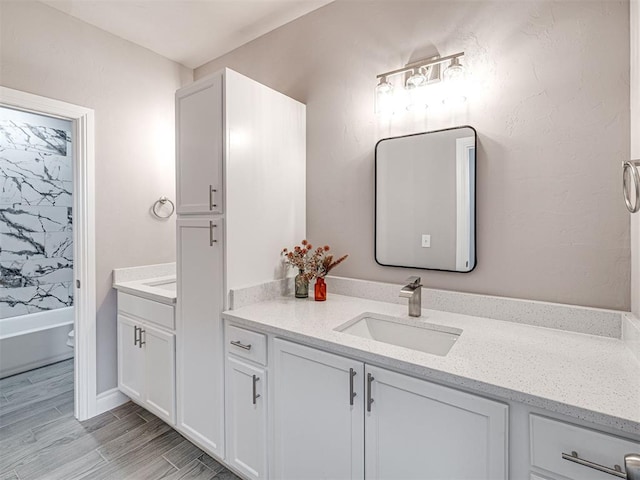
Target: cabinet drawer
x: 148, y: 310
x: 551, y: 438
x: 246, y: 344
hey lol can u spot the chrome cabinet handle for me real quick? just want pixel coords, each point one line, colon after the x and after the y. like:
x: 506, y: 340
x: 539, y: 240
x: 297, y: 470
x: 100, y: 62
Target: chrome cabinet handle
x: 370, y: 379
x: 135, y: 335
x: 255, y: 394
x: 632, y: 167
x: 352, y: 394
x: 632, y: 466
x: 239, y: 344
x: 140, y: 342
x: 212, y: 239
x: 211, y: 192
x: 616, y: 471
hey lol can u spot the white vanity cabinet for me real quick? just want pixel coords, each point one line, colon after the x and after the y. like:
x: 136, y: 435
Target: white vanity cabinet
x: 199, y: 147
x: 560, y: 450
x: 200, y: 361
x: 241, y: 157
x: 246, y: 388
x: 130, y: 359
x: 415, y: 429
x: 412, y: 429
x: 318, y: 407
x: 146, y: 354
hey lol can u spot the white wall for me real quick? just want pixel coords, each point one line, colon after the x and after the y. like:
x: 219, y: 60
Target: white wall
x: 551, y: 107
x: 48, y: 53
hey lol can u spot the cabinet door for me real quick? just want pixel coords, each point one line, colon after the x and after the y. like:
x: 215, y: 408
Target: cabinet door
x: 199, y: 142
x: 317, y: 425
x: 246, y: 419
x: 130, y: 359
x: 200, y: 358
x: 160, y: 361
x: 419, y: 430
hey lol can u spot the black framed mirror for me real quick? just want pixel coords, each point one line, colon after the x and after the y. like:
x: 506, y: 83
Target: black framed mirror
x: 425, y: 204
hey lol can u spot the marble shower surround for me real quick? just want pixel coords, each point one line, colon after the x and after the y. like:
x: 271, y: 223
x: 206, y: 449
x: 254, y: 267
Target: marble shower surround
x: 36, y: 239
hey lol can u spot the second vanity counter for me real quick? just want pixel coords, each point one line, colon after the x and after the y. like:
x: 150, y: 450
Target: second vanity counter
x: 592, y: 378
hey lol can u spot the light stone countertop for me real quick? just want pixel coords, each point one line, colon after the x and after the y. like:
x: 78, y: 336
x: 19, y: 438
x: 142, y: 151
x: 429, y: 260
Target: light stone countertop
x: 153, y: 282
x: 159, y: 289
x: 589, y: 377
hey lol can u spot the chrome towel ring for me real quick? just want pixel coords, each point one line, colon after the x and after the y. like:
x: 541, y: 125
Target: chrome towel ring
x: 160, y: 202
x: 630, y: 172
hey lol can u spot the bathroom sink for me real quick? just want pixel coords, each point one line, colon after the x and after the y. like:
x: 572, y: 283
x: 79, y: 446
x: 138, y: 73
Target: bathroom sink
x: 169, y: 285
x: 406, y: 332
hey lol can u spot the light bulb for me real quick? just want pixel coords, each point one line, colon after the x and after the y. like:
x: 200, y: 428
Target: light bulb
x: 417, y: 98
x: 384, y: 97
x: 454, y: 72
x: 416, y: 79
x: 454, y: 84
x: 416, y: 107
x: 384, y: 86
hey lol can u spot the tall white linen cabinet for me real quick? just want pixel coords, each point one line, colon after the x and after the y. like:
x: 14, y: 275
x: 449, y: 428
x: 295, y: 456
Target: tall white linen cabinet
x: 241, y: 152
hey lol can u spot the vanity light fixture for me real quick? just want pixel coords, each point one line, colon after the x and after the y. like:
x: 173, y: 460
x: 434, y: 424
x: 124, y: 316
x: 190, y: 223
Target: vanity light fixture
x: 419, y: 76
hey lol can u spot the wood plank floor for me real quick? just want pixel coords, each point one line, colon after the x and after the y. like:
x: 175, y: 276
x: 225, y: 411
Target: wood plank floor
x: 40, y: 438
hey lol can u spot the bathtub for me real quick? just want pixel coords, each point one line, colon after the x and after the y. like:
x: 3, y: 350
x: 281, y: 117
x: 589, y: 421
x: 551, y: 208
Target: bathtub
x: 34, y: 340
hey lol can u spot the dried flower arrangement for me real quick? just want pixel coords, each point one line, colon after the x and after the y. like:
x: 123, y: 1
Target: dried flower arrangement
x: 311, y: 265
x: 299, y: 258
x: 321, y: 262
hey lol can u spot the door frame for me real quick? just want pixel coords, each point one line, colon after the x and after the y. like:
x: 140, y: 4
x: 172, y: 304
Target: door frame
x: 84, y: 264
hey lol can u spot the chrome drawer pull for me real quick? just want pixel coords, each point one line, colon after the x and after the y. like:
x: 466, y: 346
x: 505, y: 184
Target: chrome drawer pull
x: 255, y: 394
x: 212, y: 239
x: 616, y: 471
x: 239, y: 344
x: 352, y: 394
x: 370, y: 379
x: 212, y: 191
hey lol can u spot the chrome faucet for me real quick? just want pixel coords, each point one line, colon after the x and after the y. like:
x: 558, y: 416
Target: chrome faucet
x: 413, y: 291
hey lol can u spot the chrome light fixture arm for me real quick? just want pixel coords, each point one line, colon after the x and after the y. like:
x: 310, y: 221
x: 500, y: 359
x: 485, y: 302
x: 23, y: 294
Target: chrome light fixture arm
x: 421, y: 64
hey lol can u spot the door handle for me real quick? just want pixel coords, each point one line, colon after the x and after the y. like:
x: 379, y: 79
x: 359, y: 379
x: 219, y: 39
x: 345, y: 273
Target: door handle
x: 212, y: 191
x: 237, y: 343
x: 352, y: 394
x: 370, y: 380
x: 256, y: 395
x: 212, y: 238
x: 135, y: 335
x: 616, y: 471
x: 140, y: 342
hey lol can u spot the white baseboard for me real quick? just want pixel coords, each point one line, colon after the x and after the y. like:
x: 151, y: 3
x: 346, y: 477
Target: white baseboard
x: 110, y: 399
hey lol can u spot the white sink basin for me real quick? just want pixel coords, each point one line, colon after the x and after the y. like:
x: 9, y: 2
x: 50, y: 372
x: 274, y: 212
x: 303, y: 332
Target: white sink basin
x: 409, y: 333
x: 169, y: 285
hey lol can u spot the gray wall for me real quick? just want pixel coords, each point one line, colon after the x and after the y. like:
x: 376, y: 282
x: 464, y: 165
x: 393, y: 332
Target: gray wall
x: 131, y: 89
x: 550, y: 102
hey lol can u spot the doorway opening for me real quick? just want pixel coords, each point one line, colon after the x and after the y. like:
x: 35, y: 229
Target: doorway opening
x: 47, y: 245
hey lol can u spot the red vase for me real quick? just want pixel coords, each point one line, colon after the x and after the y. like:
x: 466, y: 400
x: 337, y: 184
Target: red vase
x: 320, y: 290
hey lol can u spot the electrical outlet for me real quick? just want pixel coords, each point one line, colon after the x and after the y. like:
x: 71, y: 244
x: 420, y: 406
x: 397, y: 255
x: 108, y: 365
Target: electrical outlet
x: 426, y: 241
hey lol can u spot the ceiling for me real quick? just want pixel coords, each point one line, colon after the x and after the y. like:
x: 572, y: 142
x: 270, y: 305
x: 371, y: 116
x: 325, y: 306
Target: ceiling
x: 190, y: 32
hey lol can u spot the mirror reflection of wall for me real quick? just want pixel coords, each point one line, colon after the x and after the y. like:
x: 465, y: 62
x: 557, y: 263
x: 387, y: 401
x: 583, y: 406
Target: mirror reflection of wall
x: 425, y: 200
